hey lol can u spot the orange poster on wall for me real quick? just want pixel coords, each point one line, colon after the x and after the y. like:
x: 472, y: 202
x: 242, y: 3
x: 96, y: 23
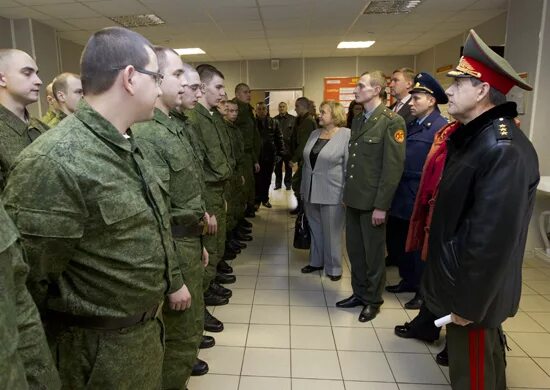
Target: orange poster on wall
x: 340, y: 89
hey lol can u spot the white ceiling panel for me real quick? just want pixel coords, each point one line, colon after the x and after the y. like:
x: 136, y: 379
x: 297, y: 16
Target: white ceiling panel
x: 69, y: 10
x: 250, y: 29
x: 22, y: 12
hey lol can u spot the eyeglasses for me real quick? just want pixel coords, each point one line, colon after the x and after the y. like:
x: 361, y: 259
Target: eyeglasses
x: 158, y: 77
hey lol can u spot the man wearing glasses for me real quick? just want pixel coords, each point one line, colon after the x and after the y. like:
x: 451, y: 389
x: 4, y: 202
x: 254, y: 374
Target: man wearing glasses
x: 95, y: 225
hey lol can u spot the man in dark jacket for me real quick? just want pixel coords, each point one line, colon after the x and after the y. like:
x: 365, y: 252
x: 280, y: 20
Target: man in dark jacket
x: 286, y: 124
x: 479, y: 227
x: 426, y: 95
x: 271, y: 150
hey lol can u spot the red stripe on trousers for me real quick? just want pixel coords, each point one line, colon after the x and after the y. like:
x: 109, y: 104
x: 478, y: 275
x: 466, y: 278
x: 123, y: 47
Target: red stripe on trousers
x: 477, y: 358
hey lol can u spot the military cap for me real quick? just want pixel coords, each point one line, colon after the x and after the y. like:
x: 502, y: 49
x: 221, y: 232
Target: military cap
x: 424, y: 82
x: 480, y: 61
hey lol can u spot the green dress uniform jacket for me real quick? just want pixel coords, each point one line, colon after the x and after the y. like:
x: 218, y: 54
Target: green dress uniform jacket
x: 25, y: 360
x: 376, y: 160
x: 48, y: 116
x: 15, y: 135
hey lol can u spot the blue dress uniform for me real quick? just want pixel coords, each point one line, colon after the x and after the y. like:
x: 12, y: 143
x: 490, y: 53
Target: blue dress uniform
x: 420, y: 136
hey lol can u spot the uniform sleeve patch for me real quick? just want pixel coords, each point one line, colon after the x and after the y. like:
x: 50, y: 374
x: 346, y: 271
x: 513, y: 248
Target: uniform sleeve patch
x: 399, y: 136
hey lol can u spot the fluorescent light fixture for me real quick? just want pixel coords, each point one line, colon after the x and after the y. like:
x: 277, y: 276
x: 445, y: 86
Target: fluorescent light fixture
x: 190, y: 51
x: 355, y: 44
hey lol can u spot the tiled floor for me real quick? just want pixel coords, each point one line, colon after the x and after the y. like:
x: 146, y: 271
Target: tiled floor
x: 283, y: 332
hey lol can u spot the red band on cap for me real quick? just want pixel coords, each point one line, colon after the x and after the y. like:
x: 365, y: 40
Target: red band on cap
x: 495, y: 79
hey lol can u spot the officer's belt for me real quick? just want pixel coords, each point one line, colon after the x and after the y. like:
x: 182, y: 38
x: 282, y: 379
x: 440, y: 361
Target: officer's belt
x: 181, y: 231
x: 103, y: 322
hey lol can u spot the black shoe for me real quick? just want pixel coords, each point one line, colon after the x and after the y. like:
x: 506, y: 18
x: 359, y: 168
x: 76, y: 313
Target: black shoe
x: 267, y: 204
x: 199, y: 368
x: 211, y: 323
x: 243, y: 230
x: 229, y: 255
x: 238, y: 244
x: 211, y: 299
x: 352, y: 301
x: 415, y: 303
x: 207, y: 342
x: 242, y: 237
x: 232, y: 247
x: 224, y: 268
x: 245, y: 223
x: 369, y: 313
x: 442, y: 358
x: 225, y: 279
x: 334, y: 278
x: 309, y: 269
x: 220, y: 290
x: 250, y: 214
x: 400, y: 288
x: 277, y: 187
x: 408, y: 332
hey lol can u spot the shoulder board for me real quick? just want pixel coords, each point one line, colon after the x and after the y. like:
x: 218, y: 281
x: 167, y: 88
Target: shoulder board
x: 503, y: 128
x: 389, y: 113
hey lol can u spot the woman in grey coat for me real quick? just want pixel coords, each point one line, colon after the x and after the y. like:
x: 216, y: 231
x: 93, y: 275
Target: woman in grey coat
x: 325, y: 158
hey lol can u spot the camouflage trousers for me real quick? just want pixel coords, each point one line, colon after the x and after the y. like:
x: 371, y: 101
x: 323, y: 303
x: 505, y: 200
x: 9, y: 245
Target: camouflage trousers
x: 215, y: 244
x: 184, y: 328
x: 249, y: 188
x: 124, y: 359
x: 236, y: 201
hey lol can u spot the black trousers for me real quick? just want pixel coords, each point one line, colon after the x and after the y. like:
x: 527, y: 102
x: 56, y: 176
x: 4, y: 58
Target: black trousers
x: 410, y: 264
x: 263, y: 180
x: 279, y: 173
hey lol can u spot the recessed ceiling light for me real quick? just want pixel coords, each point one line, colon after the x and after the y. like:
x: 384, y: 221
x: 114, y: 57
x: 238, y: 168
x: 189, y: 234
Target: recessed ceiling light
x: 355, y: 44
x: 390, y: 7
x: 190, y: 51
x: 137, y: 20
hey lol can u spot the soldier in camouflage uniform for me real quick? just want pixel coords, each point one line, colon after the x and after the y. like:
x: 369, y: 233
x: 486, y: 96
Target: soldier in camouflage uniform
x: 25, y: 360
x: 192, y: 93
x: 52, y: 104
x: 19, y: 87
x: 172, y: 156
x: 67, y: 90
x: 95, y: 225
x: 246, y: 123
x: 237, y: 202
x: 212, y: 134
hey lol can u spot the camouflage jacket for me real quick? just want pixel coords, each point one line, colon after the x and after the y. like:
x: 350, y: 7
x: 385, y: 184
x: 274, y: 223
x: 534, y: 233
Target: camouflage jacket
x: 250, y: 134
x: 166, y: 147
x: 237, y: 145
x: 211, y: 131
x: 58, y: 117
x: 25, y: 359
x: 15, y: 135
x: 93, y: 219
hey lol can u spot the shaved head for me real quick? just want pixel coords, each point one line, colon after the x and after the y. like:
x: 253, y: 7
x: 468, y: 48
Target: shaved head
x: 7, y: 55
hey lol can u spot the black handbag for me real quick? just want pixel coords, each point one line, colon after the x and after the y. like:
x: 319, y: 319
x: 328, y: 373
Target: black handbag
x: 302, y: 235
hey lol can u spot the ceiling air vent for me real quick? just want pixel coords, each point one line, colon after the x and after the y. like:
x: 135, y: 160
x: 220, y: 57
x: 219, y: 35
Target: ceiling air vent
x: 137, y: 20
x: 391, y: 6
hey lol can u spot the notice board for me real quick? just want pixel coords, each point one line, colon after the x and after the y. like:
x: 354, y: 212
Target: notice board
x: 340, y: 89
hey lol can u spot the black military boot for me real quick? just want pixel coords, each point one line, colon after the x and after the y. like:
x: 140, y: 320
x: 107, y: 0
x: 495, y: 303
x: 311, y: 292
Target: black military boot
x: 225, y: 278
x: 243, y: 222
x: 220, y: 290
x: 207, y: 342
x: 211, y: 299
x: 224, y: 268
x: 199, y: 368
x: 211, y: 323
